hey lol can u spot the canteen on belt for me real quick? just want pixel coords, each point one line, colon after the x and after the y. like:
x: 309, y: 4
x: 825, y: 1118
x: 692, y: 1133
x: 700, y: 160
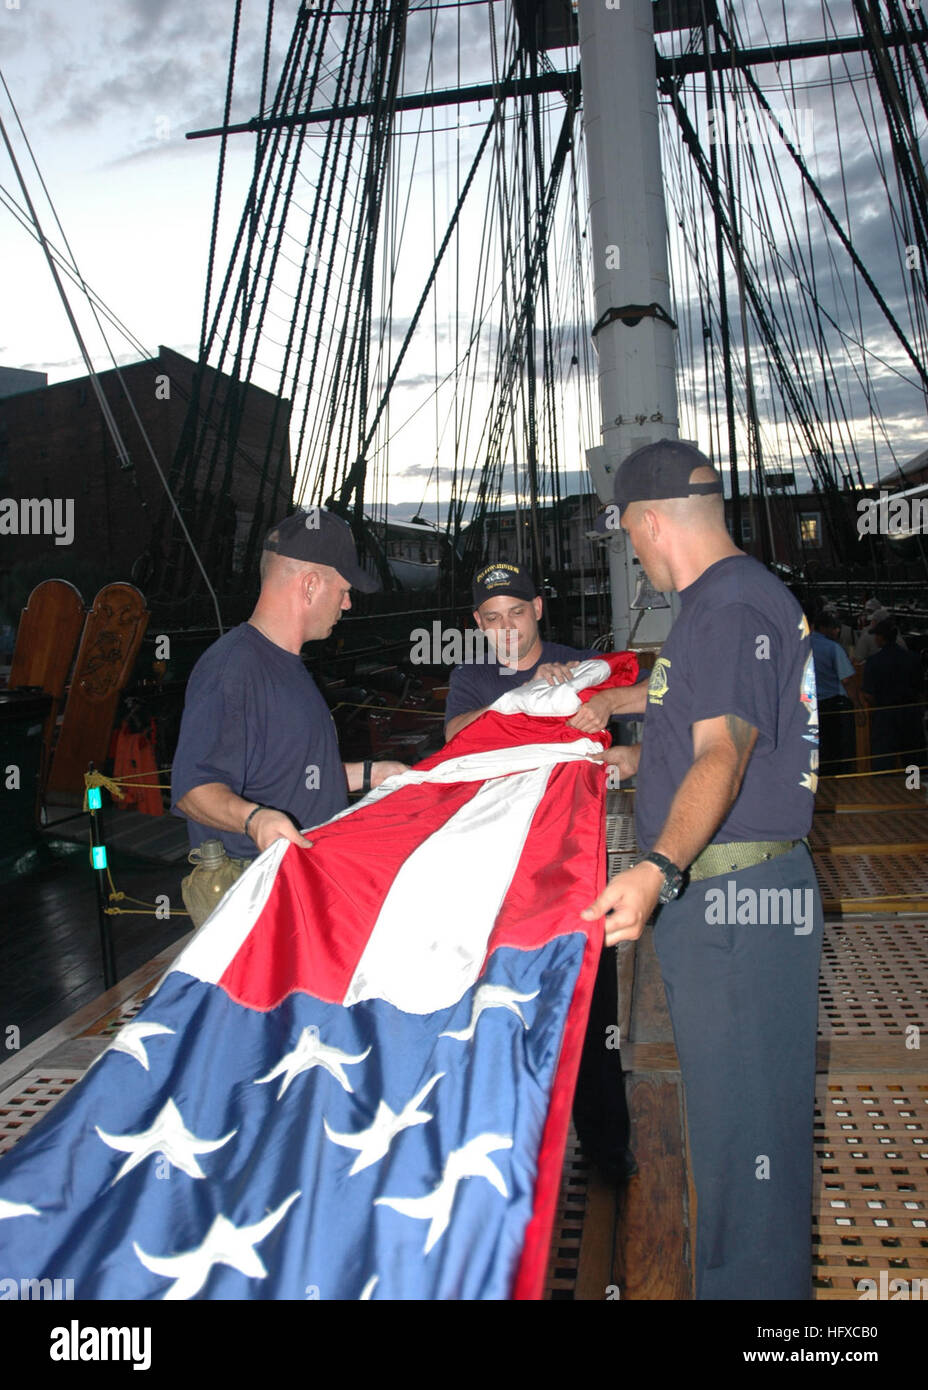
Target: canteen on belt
x: 213, y: 875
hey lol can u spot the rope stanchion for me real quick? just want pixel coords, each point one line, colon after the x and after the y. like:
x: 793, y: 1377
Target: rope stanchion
x: 95, y: 780
x: 93, y: 800
x: 94, y: 783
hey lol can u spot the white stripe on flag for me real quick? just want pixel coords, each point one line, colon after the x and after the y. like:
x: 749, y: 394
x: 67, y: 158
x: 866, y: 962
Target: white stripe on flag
x: 225, y: 930
x: 477, y: 767
x: 430, y: 938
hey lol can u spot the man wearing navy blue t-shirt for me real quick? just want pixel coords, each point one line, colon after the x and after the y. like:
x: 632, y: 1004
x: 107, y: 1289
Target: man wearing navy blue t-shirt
x: 726, y: 774
x: 507, y: 607
x: 257, y: 757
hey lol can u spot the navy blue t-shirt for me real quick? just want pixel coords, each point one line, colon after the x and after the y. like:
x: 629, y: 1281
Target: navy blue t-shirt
x: 739, y: 646
x: 478, y: 684
x: 255, y: 721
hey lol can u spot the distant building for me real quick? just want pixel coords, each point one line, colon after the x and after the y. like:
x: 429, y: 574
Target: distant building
x: 824, y: 534
x: 56, y: 449
x: 15, y: 380
x: 572, y: 561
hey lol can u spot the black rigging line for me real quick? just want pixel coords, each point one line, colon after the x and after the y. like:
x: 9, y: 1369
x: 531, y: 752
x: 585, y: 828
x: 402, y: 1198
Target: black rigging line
x: 723, y: 298
x: 787, y: 378
x: 833, y: 221
x: 350, y: 481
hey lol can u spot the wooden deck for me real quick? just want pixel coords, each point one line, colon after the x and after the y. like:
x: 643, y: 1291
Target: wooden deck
x: 50, y: 941
x: 870, y: 1209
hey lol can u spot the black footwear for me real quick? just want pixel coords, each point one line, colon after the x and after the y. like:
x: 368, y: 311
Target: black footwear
x: 615, y: 1169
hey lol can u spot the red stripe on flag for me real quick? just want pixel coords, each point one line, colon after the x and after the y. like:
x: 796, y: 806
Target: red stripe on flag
x: 325, y: 901
x: 560, y: 869
x: 566, y: 884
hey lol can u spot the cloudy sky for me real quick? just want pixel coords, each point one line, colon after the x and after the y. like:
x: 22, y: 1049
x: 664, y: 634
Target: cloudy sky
x: 106, y: 90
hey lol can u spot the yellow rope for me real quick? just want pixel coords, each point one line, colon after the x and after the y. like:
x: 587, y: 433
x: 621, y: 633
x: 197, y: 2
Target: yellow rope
x: 385, y: 709
x: 875, y: 897
x: 870, y: 709
x: 862, y: 757
x: 97, y: 779
x: 888, y: 772
x: 145, y: 909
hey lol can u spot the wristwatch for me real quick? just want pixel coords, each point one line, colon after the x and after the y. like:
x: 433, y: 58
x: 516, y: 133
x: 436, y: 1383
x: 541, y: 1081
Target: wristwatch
x: 673, y: 878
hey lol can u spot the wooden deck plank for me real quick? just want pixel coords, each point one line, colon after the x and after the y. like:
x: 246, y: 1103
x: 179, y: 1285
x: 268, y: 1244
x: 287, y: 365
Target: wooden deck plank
x: 652, y: 1259
x: 595, y: 1270
x: 39, y: 1051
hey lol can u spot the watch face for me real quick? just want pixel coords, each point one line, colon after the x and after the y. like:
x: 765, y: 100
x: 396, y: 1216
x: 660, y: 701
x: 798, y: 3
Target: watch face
x: 673, y: 879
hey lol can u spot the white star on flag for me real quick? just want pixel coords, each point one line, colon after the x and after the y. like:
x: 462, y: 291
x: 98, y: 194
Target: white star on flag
x: 372, y: 1143
x: 169, y: 1136
x: 131, y: 1040
x: 311, y: 1052
x: 471, y: 1161
x: 10, y: 1209
x: 492, y: 997
x: 224, y: 1244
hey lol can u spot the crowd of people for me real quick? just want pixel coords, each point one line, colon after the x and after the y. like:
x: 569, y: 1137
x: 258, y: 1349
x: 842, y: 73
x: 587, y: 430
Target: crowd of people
x: 867, y: 670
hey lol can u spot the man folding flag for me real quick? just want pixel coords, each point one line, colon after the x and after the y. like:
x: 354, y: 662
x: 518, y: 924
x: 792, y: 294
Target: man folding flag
x: 355, y: 1081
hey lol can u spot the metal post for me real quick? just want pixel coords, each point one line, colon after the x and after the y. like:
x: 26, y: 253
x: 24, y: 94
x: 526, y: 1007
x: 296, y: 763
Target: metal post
x: 98, y: 859
x: 628, y: 242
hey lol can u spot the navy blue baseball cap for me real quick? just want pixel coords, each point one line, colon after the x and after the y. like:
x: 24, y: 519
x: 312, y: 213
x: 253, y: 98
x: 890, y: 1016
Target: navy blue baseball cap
x: 502, y: 577
x: 656, y: 471
x: 322, y: 538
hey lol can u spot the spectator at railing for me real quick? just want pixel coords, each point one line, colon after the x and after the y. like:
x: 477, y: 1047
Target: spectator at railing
x: 833, y: 672
x: 894, y: 687
x: 867, y: 644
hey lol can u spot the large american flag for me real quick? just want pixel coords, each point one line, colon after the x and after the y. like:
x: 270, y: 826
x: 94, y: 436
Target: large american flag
x: 355, y: 1081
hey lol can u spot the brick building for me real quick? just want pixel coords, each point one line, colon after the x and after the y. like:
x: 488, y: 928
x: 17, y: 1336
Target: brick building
x: 55, y: 449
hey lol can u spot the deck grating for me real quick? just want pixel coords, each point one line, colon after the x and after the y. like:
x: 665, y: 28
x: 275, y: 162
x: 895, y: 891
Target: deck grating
x: 870, y: 1208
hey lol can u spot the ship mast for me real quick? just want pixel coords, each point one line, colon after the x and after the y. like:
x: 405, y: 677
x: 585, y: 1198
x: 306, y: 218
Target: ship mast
x: 633, y: 332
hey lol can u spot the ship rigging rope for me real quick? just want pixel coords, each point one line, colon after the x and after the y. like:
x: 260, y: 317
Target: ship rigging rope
x: 109, y: 418
x: 101, y: 307
x: 770, y: 262
x: 343, y: 400
x: 788, y: 311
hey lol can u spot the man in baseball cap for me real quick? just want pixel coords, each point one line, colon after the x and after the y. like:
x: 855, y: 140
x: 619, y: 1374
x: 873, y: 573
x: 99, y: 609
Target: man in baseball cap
x: 318, y: 537
x: 257, y: 758
x: 507, y: 606
x: 726, y: 776
x: 654, y: 473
